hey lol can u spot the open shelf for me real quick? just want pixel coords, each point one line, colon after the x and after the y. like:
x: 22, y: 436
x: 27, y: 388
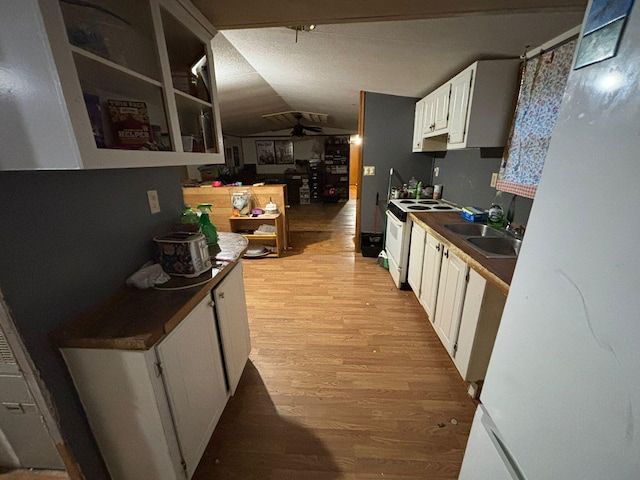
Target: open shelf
x: 274, y: 241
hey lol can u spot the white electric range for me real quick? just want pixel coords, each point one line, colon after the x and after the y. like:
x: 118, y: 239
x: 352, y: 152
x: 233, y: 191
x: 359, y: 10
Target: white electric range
x: 398, y: 232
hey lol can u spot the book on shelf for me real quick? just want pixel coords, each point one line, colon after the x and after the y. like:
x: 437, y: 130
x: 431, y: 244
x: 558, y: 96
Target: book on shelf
x: 95, y: 117
x: 130, y: 124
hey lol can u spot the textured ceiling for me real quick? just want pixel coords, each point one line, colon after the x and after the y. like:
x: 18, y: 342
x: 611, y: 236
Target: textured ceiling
x: 263, y: 71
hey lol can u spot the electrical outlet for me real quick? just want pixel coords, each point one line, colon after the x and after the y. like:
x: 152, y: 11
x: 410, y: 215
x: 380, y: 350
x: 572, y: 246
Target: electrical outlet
x: 436, y: 171
x: 369, y: 171
x: 154, y: 203
x: 494, y: 180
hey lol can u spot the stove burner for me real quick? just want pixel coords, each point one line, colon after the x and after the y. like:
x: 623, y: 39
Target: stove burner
x: 442, y: 207
x: 407, y: 201
x: 420, y: 207
x: 428, y: 202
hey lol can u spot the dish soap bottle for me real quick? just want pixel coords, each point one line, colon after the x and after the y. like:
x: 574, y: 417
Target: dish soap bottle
x: 495, y: 217
x: 419, y: 190
x: 208, y: 229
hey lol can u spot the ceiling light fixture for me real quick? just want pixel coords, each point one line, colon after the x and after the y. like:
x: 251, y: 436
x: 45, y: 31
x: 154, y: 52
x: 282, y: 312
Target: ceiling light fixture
x: 302, y: 28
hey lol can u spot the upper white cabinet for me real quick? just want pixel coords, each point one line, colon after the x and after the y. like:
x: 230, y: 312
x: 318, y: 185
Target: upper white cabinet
x: 108, y: 84
x: 418, y: 120
x: 483, y: 104
x: 478, y: 109
x: 436, y: 111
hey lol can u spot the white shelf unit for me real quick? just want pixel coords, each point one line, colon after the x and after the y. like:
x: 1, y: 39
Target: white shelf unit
x: 132, y: 53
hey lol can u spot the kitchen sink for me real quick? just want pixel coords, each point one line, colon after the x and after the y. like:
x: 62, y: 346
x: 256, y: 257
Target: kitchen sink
x: 498, y: 247
x: 474, y: 230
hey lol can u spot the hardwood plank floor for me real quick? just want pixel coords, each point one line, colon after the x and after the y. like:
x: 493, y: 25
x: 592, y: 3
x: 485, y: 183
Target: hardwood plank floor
x: 346, y: 379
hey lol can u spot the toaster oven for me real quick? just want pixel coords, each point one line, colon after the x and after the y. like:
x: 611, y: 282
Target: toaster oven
x: 183, y: 254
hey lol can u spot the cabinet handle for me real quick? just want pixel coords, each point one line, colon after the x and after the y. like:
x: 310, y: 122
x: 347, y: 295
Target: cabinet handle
x: 221, y: 294
x: 446, y: 253
x: 211, y: 303
x: 438, y: 247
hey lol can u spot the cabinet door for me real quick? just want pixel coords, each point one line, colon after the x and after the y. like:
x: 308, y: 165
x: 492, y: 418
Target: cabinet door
x: 231, y: 312
x: 416, y: 258
x: 441, y: 110
x: 417, y: 126
x: 451, y: 290
x: 194, y: 381
x: 460, y: 90
x: 428, y: 113
x: 481, y: 314
x: 430, y: 275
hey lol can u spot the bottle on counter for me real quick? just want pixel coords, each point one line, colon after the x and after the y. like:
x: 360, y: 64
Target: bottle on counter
x: 495, y: 216
x: 419, y: 190
x: 208, y: 229
x: 189, y: 216
x: 412, y: 185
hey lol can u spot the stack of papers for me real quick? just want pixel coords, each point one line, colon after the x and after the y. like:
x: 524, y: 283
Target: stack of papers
x: 265, y: 229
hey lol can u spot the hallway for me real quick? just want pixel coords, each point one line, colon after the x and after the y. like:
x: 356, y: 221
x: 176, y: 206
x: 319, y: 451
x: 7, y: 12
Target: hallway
x: 346, y: 380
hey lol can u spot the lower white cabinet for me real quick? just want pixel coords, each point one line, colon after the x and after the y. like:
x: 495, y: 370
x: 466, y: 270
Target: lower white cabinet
x: 416, y: 258
x: 463, y: 307
x: 233, y: 324
x: 451, y: 290
x: 430, y: 275
x: 152, y: 412
x: 481, y: 314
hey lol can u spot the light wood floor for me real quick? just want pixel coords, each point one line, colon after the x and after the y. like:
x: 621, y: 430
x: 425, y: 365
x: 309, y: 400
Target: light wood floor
x: 346, y: 379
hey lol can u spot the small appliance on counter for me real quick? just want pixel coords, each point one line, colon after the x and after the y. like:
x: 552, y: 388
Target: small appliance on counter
x: 183, y: 254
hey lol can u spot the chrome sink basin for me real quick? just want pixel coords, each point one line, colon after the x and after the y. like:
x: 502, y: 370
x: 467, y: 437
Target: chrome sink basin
x: 496, y: 247
x: 474, y: 230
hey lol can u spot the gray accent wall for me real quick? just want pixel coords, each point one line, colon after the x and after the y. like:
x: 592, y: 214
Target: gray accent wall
x: 388, y: 135
x: 466, y: 178
x: 69, y: 240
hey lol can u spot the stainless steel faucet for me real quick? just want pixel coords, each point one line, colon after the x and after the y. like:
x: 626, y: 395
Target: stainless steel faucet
x: 511, y: 228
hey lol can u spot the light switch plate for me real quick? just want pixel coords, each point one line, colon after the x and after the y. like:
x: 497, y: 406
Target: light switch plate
x: 494, y: 179
x: 369, y: 171
x: 436, y: 171
x: 154, y: 203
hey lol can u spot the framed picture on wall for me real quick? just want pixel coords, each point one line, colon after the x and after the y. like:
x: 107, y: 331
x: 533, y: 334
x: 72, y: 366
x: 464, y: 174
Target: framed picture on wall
x: 284, y: 151
x: 266, y: 153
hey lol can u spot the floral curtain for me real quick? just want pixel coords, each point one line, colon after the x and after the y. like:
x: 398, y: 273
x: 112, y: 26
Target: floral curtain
x: 542, y: 86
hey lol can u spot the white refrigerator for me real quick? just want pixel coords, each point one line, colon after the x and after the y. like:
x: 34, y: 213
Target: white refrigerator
x: 561, y: 399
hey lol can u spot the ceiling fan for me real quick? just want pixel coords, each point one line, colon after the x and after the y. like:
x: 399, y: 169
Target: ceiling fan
x: 299, y: 128
x: 284, y: 121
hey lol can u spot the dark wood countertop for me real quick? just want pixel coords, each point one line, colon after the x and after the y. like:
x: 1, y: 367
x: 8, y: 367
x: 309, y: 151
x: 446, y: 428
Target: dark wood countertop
x: 135, y: 319
x: 499, y: 271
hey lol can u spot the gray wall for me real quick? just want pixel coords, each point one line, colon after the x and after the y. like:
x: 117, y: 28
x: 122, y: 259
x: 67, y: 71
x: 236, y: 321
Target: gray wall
x: 466, y: 177
x: 388, y: 135
x: 69, y: 239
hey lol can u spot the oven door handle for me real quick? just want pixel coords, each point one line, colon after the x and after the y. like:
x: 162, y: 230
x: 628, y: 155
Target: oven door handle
x: 394, y: 219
